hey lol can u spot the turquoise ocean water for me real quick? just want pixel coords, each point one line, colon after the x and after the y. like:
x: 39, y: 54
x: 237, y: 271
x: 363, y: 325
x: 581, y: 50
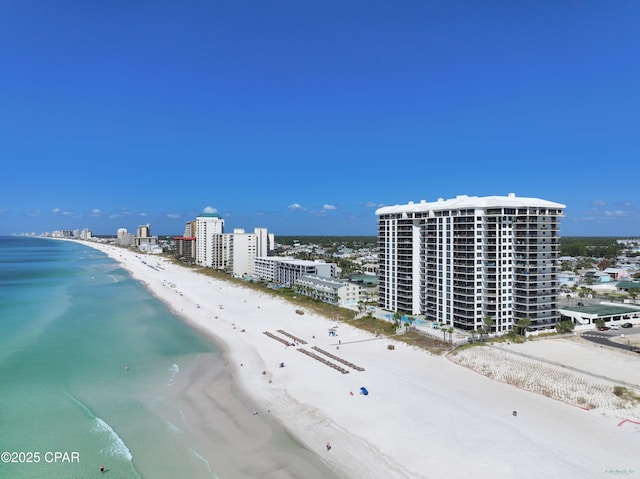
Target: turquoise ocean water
x: 71, y: 322
x: 87, y: 359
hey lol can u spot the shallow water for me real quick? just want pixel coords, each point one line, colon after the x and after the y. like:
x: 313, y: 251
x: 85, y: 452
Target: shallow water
x: 95, y: 371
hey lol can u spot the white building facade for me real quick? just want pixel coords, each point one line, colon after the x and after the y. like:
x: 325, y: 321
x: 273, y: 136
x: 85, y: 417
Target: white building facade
x: 244, y: 248
x: 124, y: 238
x: 233, y: 252
x: 471, y: 260
x: 286, y: 270
x: 210, y: 251
x: 327, y: 290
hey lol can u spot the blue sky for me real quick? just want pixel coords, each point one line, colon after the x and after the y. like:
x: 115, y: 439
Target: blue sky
x: 306, y: 116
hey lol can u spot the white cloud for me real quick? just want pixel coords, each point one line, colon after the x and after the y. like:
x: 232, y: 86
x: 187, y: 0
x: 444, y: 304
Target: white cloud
x: 329, y: 207
x: 598, y: 203
x: 210, y: 210
x: 295, y: 207
x: 56, y: 211
x: 371, y: 204
x: 615, y: 214
x: 125, y: 211
x: 173, y: 216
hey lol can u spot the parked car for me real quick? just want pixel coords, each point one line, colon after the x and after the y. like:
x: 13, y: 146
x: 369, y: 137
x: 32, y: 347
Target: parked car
x: 615, y: 326
x: 627, y: 325
x: 604, y: 328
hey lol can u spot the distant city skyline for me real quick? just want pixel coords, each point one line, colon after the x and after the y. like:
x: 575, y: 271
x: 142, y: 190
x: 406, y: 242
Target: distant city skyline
x: 305, y: 118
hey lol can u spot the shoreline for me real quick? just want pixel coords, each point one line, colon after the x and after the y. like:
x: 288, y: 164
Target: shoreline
x: 424, y: 416
x: 209, y: 397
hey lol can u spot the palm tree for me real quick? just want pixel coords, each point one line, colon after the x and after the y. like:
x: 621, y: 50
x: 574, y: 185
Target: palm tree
x: 396, y: 319
x: 410, y: 319
x: 481, y: 332
x: 473, y: 334
x: 522, y: 325
x: 489, y: 322
x: 450, y: 330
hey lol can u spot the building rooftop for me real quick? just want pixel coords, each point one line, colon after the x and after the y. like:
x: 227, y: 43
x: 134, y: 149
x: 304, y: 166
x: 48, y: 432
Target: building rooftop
x: 603, y: 309
x: 321, y: 281
x: 464, y: 201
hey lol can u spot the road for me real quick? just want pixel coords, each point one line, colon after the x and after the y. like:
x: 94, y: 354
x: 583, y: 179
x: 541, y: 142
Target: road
x: 605, y: 338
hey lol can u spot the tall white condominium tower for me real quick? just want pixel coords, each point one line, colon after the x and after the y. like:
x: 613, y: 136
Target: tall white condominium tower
x: 469, y: 261
x: 209, y: 240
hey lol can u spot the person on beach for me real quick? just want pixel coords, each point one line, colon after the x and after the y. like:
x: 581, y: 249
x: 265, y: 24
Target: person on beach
x: 328, y: 446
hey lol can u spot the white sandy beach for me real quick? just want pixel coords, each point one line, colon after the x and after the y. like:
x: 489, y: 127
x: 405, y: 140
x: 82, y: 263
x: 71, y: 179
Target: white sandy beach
x: 424, y: 417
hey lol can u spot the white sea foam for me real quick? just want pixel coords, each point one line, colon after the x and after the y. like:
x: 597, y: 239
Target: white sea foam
x: 82, y: 405
x: 196, y: 454
x: 117, y: 447
x: 173, y: 428
x: 174, y: 369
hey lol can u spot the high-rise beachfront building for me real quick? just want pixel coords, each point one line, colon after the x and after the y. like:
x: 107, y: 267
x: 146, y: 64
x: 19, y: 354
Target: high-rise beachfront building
x: 245, y: 247
x: 144, y: 231
x: 469, y: 261
x: 190, y: 229
x: 233, y: 252
x: 209, y: 240
x: 124, y: 238
x: 186, y: 244
x: 143, y: 236
x: 265, y: 242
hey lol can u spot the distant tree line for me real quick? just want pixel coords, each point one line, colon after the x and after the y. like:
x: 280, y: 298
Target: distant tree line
x: 594, y: 246
x: 353, y: 242
x: 599, y: 247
